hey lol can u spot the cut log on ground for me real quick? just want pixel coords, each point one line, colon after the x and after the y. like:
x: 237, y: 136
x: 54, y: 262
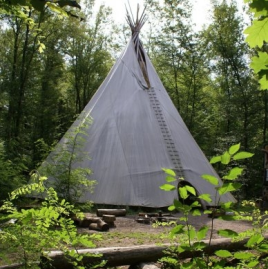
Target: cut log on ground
x: 99, y: 226
x: 109, y: 219
x: 141, y: 254
x: 86, y: 221
x: 144, y: 220
x: 115, y: 212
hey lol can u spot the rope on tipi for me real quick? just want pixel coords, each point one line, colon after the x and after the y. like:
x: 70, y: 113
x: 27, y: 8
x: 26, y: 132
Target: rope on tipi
x: 135, y: 26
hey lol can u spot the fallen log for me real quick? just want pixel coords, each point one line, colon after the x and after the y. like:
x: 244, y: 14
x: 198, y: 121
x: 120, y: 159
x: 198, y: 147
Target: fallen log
x: 85, y: 222
x: 115, y: 212
x: 148, y: 214
x: 144, y: 220
x: 109, y: 219
x: 99, y: 226
x: 141, y: 254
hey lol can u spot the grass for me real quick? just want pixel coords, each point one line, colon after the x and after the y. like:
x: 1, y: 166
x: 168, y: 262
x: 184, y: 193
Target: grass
x: 130, y: 238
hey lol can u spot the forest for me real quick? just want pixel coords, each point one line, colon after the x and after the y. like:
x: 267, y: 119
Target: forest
x: 51, y: 66
x: 55, y: 55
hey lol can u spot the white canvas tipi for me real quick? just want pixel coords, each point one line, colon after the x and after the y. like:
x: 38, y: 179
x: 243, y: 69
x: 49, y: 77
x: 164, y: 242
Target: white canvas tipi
x: 137, y: 131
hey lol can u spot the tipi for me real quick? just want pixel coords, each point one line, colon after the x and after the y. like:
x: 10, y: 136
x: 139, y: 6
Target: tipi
x: 137, y: 131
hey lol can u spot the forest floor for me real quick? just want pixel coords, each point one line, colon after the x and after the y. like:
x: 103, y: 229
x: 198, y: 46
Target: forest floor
x: 128, y: 232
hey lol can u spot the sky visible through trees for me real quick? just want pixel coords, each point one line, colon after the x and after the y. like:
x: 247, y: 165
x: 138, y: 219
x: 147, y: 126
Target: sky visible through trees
x: 201, y: 10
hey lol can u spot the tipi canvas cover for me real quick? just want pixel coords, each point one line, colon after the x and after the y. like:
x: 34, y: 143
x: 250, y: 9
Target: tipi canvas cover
x: 137, y: 131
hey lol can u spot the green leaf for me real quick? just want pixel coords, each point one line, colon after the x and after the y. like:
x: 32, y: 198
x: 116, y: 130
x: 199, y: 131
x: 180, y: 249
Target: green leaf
x: 225, y: 158
x: 234, y: 173
x: 227, y: 233
x: 177, y: 203
x: 255, y: 239
x: 171, y: 208
x: 169, y: 172
x: 227, y: 205
x: 264, y: 82
x: 183, y: 192
x: 243, y: 255
x: 253, y: 264
x: 233, y: 149
x: 183, y: 248
x: 167, y: 187
x: 202, y: 232
x: 56, y: 9
x: 170, y: 179
x: 191, y: 190
x: 192, y: 233
x: 196, y: 212
x: 242, y: 155
x: 199, y: 245
x: 228, y: 187
x: 211, y: 179
x: 205, y: 197
x: 230, y: 217
x: 263, y: 247
x: 179, y: 229
x: 207, y: 212
x: 201, y: 263
x: 257, y: 33
x: 223, y: 253
x: 215, y: 159
x: 259, y: 63
x: 260, y: 7
x: 41, y: 47
x: 195, y: 204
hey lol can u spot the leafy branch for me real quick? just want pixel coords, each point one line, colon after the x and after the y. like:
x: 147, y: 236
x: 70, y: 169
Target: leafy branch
x: 257, y: 37
x: 192, y: 240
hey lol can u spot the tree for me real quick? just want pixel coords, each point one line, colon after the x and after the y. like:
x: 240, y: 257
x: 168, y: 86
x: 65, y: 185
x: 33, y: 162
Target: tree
x: 236, y: 86
x: 180, y: 59
x: 89, y: 59
x: 169, y: 48
x: 38, y: 79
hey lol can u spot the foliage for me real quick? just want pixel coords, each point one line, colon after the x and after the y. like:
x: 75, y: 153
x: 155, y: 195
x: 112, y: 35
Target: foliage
x: 40, y: 92
x: 31, y: 233
x: 63, y: 167
x: 171, y: 48
x: 10, y: 174
x: 257, y: 38
x: 16, y: 6
x: 234, y: 83
x: 193, y: 240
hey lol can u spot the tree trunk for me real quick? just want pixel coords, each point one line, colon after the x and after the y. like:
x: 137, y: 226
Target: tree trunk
x: 265, y: 122
x: 119, y: 256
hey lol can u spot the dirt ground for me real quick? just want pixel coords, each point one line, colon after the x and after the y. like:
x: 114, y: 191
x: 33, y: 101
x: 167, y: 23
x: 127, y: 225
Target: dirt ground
x: 128, y: 232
